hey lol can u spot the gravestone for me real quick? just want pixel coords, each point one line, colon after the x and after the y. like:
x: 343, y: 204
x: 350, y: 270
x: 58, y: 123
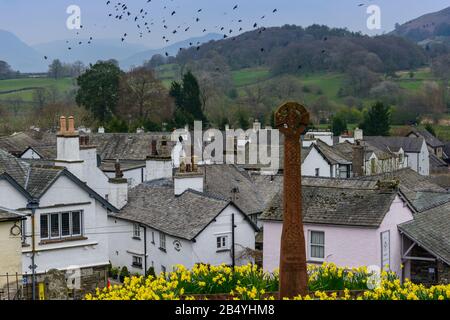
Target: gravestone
x: 56, y: 285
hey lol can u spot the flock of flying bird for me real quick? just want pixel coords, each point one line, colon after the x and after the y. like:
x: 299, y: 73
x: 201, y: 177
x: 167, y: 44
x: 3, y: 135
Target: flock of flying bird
x: 144, y: 24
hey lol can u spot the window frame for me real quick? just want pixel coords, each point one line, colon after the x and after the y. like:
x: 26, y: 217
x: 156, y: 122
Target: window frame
x: 310, y: 245
x: 219, y: 245
x: 59, y: 215
x: 135, y: 262
x: 136, y: 231
x: 162, y: 242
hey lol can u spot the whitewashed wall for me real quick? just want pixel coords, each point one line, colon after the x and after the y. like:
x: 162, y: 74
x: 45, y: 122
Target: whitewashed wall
x: 315, y: 160
x: 89, y: 252
x: 122, y: 246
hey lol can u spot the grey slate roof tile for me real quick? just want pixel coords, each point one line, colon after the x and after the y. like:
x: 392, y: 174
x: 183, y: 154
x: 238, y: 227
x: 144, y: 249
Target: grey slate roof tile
x: 184, y: 216
x: 431, y: 230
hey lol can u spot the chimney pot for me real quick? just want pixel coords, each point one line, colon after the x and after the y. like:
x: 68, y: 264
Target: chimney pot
x: 71, y: 129
x: 62, y: 125
x: 119, y: 173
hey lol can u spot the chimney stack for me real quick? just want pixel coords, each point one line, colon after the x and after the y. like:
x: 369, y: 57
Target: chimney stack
x: 118, y: 188
x: 118, y: 170
x: 154, y: 150
x: 68, y: 148
x: 358, y: 159
x: 256, y: 125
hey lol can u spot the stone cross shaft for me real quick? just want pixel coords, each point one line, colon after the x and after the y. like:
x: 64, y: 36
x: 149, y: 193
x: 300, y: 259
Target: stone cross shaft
x: 292, y: 119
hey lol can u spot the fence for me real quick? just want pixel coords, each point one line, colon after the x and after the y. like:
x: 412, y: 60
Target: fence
x: 15, y: 286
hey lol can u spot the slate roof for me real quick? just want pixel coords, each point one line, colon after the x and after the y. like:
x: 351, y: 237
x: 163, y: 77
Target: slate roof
x: 17, y: 143
x: 420, y: 191
x: 333, y: 155
x: 447, y: 149
x: 16, y: 168
x: 337, y: 206
x: 437, y: 164
x: 127, y: 146
x: 431, y: 140
x: 155, y: 205
x: 109, y: 165
x: 431, y: 230
x: 394, y: 144
x: 34, y: 180
x: 442, y: 180
x: 220, y: 180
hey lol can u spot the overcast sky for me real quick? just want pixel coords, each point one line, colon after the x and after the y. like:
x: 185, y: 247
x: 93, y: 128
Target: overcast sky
x: 39, y: 21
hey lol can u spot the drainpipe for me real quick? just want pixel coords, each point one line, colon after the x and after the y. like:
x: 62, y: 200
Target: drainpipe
x: 33, y: 205
x: 232, y: 242
x: 145, y: 251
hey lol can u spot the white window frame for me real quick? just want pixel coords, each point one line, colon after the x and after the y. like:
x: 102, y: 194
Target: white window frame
x: 222, y: 247
x: 162, y: 241
x: 60, y: 235
x: 310, y: 245
x: 136, y: 231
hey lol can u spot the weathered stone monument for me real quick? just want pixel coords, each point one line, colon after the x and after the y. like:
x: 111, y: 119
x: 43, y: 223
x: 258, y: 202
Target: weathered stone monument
x: 56, y: 285
x: 292, y: 119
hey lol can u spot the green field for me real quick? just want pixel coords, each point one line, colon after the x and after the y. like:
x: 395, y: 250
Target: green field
x: 326, y: 84
x: 62, y: 85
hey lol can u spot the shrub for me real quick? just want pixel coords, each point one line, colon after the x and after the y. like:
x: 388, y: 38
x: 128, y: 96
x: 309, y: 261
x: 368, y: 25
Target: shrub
x: 124, y: 273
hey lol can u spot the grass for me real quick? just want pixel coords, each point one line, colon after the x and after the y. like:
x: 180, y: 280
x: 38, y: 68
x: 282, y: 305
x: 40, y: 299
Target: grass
x: 62, y: 85
x: 247, y: 77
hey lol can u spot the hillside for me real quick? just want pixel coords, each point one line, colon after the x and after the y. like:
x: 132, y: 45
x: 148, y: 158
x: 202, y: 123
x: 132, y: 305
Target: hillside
x: 436, y: 24
x: 100, y: 49
x: 19, y: 55
x: 140, y: 57
x: 294, y: 49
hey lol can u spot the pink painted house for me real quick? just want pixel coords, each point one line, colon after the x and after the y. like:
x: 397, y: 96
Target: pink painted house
x: 349, y: 223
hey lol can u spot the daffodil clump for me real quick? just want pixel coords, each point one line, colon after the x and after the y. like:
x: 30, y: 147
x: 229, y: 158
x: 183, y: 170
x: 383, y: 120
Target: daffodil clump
x: 326, y: 282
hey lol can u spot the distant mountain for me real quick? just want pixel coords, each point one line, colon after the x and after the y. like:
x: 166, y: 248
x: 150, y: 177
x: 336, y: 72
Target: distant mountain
x: 99, y: 49
x: 19, y: 55
x: 141, y: 57
x: 436, y: 24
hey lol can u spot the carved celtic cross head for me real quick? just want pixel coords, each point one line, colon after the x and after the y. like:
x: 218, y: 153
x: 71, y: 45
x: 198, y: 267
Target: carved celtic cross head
x: 291, y: 119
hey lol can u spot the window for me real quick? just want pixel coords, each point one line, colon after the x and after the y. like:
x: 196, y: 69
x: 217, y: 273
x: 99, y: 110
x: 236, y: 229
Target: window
x: 372, y: 166
x: 44, y: 226
x: 162, y: 241
x: 136, y: 231
x: 317, y: 172
x: 222, y: 243
x: 137, y: 262
x: 343, y: 172
x: 23, y: 230
x: 60, y: 225
x: 153, y: 237
x: 317, y: 245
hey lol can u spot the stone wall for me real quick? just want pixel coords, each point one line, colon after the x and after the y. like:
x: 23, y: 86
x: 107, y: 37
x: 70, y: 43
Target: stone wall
x: 91, y: 278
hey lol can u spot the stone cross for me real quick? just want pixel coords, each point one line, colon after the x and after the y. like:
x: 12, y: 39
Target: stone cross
x: 292, y: 119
